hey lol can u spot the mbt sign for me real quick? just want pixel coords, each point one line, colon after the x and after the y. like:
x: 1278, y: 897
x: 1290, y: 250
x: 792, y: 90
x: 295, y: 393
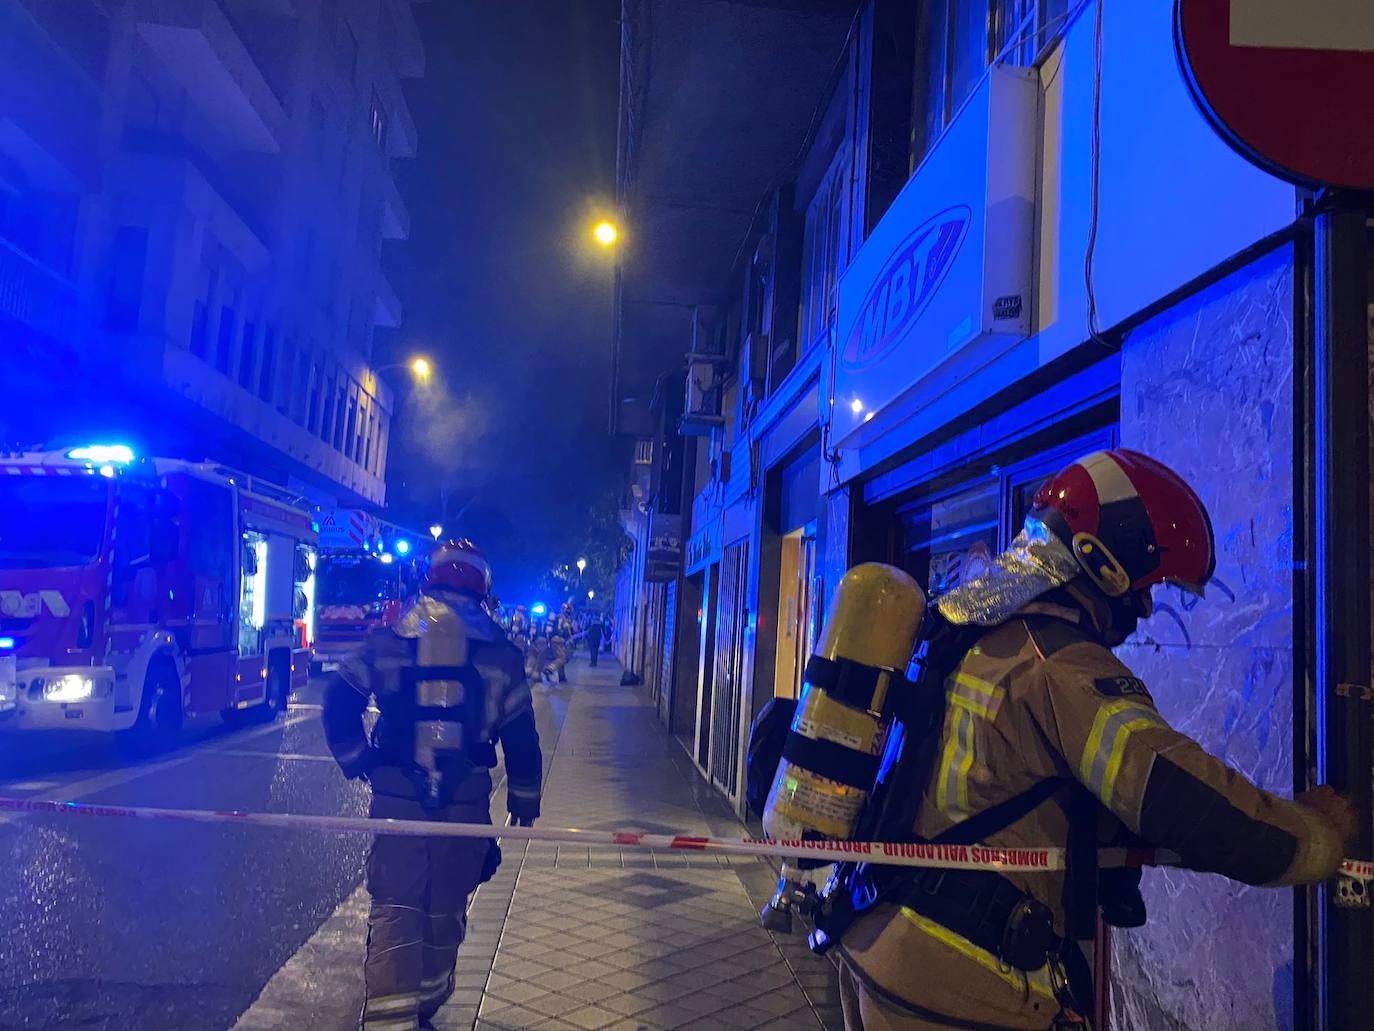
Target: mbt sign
x: 1288, y: 83
x: 947, y: 268
x: 905, y: 286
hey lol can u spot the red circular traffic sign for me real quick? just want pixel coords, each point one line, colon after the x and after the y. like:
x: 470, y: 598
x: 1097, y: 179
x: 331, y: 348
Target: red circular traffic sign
x: 1288, y: 85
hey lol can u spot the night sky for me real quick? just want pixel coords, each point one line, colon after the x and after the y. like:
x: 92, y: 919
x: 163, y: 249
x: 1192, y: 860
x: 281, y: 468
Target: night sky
x: 501, y: 284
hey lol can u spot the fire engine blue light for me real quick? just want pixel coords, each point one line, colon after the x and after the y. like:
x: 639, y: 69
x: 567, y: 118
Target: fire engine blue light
x: 386, y: 558
x: 539, y: 608
x: 102, y: 454
x: 6, y: 644
x: 403, y: 547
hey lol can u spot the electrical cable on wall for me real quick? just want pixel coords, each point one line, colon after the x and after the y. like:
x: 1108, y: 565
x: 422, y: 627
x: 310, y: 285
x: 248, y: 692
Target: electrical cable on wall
x: 1094, y: 182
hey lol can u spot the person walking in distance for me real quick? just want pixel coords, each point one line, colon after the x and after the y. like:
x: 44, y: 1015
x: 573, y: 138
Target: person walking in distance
x: 593, y: 640
x: 449, y: 686
x: 1048, y: 740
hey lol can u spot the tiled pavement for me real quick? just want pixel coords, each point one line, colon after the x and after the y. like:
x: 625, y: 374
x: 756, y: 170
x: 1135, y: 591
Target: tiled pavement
x: 583, y: 939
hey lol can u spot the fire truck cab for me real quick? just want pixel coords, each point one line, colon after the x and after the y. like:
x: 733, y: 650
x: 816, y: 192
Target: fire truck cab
x: 367, y: 575
x: 135, y: 593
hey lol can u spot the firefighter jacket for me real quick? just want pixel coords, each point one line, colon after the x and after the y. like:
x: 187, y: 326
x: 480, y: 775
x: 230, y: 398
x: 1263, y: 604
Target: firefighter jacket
x: 493, y: 705
x: 1039, y: 697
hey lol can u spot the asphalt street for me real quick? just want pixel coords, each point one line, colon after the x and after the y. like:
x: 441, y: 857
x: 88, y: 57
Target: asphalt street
x: 116, y: 924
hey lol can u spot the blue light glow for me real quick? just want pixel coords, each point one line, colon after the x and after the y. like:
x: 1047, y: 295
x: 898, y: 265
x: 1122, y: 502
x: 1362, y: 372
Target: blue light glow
x: 102, y: 454
x: 386, y: 558
x: 539, y: 608
x: 403, y: 547
x: 6, y: 643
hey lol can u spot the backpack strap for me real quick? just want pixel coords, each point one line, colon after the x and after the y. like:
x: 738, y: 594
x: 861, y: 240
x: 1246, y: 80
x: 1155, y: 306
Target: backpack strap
x: 997, y: 818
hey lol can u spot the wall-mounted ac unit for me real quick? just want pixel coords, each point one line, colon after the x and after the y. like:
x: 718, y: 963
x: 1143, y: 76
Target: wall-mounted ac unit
x: 706, y: 370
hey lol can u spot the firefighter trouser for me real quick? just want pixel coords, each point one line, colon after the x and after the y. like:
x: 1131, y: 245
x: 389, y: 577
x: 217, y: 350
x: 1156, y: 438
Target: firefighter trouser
x: 419, y: 889
x: 558, y: 658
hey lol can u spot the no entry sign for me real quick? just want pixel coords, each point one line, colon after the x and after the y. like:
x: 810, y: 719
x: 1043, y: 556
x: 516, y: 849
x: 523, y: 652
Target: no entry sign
x: 1288, y: 83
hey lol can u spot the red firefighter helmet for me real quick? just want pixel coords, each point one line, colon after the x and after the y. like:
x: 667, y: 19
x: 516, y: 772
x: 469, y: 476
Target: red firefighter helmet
x: 1130, y: 521
x: 460, y: 566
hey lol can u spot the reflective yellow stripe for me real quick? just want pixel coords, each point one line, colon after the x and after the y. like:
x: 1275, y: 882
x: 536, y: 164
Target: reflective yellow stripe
x: 951, y: 794
x: 978, y: 696
x: 1016, y: 979
x: 1106, y: 747
x: 1119, y: 752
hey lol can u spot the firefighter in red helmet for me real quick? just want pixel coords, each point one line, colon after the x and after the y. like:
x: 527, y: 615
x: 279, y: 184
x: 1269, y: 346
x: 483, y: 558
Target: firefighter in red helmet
x: 1049, y: 741
x: 449, y: 687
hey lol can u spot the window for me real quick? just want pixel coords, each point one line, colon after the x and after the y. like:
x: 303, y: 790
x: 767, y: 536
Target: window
x: 644, y: 451
x: 129, y: 257
x: 269, y: 355
x: 284, y: 387
x: 299, y: 388
x: 352, y: 424
x: 312, y: 420
x: 228, y: 323
x: 247, y: 352
x: 340, y: 406
x: 825, y: 253
x: 951, y: 539
x: 377, y: 122
x: 132, y: 539
x: 327, y: 410
x: 956, y: 40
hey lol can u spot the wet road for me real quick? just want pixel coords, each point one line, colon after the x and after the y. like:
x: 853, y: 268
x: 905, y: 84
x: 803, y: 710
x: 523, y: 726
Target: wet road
x: 114, y: 924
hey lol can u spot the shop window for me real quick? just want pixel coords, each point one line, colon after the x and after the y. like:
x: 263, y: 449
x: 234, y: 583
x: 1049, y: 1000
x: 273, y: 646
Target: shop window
x: 951, y: 538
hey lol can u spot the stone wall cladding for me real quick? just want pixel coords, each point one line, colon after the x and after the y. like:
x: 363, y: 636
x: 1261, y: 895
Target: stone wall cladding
x: 1207, y: 387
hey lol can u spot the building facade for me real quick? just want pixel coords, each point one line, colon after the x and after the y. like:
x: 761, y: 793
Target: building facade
x: 1006, y: 238
x: 194, y: 199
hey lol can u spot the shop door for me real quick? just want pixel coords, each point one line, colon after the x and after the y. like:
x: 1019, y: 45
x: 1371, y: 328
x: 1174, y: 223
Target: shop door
x: 665, y: 675
x: 796, y: 621
x: 708, y: 666
x: 727, y: 701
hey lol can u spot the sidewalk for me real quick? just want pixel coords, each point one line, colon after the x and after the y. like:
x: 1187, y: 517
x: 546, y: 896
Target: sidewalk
x: 583, y: 939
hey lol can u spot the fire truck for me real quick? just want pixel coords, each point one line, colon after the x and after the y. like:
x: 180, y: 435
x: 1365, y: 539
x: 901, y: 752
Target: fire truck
x: 366, y: 575
x: 137, y: 593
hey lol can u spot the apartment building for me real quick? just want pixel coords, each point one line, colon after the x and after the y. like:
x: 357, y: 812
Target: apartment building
x: 195, y: 202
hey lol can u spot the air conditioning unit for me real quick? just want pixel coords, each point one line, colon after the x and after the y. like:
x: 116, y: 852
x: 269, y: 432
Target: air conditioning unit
x: 706, y: 370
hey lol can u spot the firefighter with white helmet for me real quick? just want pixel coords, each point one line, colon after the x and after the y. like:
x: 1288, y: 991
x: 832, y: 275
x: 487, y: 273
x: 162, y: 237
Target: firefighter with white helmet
x: 448, y: 686
x: 1046, y: 741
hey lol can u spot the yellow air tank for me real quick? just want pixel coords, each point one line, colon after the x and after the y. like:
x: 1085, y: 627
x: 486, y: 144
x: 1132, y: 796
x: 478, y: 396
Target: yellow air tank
x: 830, y: 760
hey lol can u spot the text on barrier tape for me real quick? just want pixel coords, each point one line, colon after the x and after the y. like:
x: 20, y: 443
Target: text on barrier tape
x: 886, y: 853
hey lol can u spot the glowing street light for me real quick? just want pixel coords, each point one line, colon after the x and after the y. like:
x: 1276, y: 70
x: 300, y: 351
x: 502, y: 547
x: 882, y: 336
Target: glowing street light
x: 605, y: 233
x: 436, y: 531
x: 581, y: 566
x: 591, y: 595
x: 422, y: 368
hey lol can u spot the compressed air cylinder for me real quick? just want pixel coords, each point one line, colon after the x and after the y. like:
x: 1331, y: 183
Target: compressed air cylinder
x: 442, y: 642
x: 837, y: 737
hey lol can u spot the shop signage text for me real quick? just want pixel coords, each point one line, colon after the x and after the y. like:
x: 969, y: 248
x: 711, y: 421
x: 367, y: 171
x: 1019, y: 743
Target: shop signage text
x: 905, y: 287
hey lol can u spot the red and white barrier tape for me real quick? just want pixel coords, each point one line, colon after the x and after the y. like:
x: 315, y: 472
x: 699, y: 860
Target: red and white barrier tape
x: 940, y: 857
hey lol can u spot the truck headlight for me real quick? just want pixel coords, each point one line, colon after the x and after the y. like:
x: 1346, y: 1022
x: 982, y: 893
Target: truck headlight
x: 70, y: 688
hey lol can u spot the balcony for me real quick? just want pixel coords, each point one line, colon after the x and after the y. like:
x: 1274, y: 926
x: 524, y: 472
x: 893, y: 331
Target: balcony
x: 35, y: 296
x: 201, y: 50
x: 174, y: 177
x: 395, y: 214
x: 410, y: 50
x: 401, y: 137
x: 388, y: 314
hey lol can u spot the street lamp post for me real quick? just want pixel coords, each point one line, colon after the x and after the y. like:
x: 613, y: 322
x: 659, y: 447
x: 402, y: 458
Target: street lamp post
x: 436, y: 531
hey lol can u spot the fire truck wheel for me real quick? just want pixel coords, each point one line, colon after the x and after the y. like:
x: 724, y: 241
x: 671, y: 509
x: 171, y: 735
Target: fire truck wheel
x: 278, y: 686
x: 159, y: 712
